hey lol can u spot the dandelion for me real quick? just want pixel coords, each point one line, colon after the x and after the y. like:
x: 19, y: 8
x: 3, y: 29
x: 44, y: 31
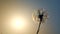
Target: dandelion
x: 40, y: 16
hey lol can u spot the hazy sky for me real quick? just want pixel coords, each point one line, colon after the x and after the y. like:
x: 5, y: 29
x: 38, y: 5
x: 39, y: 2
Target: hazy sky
x: 23, y: 9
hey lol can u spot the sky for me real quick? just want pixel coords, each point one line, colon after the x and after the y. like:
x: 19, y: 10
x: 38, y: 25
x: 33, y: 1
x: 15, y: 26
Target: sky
x: 11, y: 11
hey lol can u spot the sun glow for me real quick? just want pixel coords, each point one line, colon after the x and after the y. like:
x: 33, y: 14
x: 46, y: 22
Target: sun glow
x: 18, y: 23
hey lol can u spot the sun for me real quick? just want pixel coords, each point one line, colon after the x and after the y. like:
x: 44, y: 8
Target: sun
x: 18, y: 23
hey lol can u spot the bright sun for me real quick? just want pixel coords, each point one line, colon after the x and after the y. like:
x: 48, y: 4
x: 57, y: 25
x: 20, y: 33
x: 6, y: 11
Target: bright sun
x: 18, y: 23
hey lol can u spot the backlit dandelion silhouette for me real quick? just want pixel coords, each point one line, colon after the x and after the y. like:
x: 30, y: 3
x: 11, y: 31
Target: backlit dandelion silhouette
x: 40, y: 16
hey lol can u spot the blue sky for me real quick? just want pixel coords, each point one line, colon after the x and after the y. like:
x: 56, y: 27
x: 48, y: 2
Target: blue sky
x: 53, y: 8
